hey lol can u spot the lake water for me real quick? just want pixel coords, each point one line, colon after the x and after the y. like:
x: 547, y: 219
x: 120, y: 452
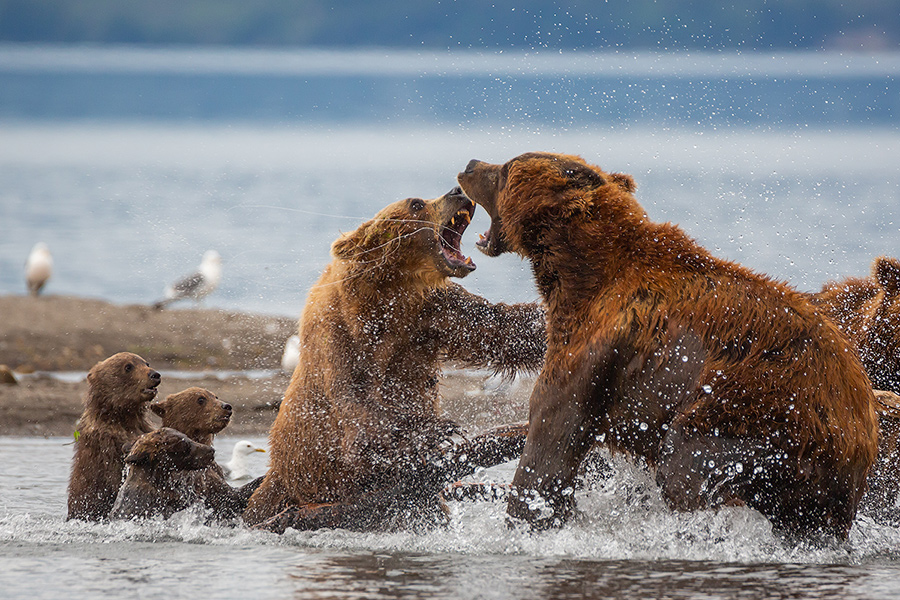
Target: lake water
x: 131, y: 163
x: 624, y: 544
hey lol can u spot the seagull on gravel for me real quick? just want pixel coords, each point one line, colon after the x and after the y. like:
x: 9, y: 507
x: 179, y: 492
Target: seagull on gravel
x: 38, y: 268
x: 237, y: 468
x: 198, y: 285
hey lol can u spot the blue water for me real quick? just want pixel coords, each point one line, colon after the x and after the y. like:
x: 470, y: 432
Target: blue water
x: 131, y: 163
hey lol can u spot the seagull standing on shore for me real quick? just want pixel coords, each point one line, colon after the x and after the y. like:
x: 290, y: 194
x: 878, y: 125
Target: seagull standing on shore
x: 237, y: 468
x: 38, y: 268
x: 197, y: 285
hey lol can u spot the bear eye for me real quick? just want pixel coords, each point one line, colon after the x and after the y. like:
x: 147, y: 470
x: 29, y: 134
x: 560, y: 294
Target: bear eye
x: 416, y: 205
x: 201, y: 400
x: 129, y: 368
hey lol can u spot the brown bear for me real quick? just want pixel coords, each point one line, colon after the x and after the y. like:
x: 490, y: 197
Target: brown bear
x: 115, y: 415
x: 196, y: 412
x: 154, y: 485
x: 199, y: 414
x: 730, y: 385
x: 867, y: 310
x: 359, y: 425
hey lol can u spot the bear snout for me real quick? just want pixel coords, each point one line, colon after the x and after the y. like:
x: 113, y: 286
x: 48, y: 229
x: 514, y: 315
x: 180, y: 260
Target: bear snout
x: 457, y: 191
x: 155, y: 376
x: 227, y: 408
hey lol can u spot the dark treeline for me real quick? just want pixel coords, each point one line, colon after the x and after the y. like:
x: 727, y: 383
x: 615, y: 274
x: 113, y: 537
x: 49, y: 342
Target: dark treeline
x: 436, y: 24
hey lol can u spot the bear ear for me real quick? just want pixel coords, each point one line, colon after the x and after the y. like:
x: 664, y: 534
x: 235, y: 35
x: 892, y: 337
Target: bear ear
x: 887, y: 273
x: 582, y: 176
x: 624, y: 181
x: 347, y: 247
x: 141, y: 457
x: 368, y: 237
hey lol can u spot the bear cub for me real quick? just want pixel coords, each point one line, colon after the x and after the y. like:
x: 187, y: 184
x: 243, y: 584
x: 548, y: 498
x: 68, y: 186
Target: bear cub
x: 199, y: 414
x: 115, y: 415
x: 153, y: 485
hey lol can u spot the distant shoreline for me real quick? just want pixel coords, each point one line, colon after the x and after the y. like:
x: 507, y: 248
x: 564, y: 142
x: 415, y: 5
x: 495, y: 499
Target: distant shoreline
x: 68, y: 334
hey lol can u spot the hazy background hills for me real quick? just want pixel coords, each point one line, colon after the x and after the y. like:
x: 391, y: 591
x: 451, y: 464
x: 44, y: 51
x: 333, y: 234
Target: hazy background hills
x: 579, y: 24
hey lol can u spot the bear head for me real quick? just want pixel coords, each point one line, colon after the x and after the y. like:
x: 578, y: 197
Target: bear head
x: 166, y: 449
x: 535, y: 189
x: 122, y: 382
x: 196, y: 412
x: 415, y: 236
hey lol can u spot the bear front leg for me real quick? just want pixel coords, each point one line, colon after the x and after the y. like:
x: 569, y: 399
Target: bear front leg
x: 489, y: 449
x: 559, y: 435
x: 504, y: 337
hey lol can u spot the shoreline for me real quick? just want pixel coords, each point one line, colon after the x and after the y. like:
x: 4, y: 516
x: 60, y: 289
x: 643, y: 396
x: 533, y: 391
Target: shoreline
x: 50, y: 342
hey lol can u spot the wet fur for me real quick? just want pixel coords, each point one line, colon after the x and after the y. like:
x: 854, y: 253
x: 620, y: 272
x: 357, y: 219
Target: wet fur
x: 867, y: 310
x: 731, y: 385
x: 154, y: 485
x: 199, y: 414
x: 360, y: 423
x: 115, y: 415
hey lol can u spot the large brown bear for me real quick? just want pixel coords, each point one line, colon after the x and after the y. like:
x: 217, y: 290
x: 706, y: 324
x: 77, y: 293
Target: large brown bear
x: 359, y: 425
x: 867, y: 309
x: 199, y: 414
x: 731, y: 385
x: 154, y: 485
x: 115, y: 415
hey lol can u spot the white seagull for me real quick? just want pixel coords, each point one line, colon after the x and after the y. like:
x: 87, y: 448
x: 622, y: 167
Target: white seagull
x: 237, y: 468
x: 197, y: 285
x: 291, y: 355
x: 38, y: 268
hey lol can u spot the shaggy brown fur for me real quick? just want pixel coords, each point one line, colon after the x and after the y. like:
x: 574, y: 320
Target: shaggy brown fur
x: 115, y: 415
x: 199, y: 414
x: 868, y: 311
x: 731, y: 385
x: 881, y: 496
x: 360, y: 417
x: 154, y: 485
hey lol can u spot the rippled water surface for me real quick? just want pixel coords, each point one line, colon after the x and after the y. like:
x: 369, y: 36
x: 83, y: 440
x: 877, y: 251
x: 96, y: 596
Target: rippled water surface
x: 624, y: 544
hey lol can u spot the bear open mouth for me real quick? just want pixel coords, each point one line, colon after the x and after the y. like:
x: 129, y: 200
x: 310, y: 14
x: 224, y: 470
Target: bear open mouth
x: 151, y: 390
x: 451, y: 236
x: 491, y: 242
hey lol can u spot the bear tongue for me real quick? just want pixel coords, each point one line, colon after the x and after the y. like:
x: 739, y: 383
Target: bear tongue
x: 456, y: 258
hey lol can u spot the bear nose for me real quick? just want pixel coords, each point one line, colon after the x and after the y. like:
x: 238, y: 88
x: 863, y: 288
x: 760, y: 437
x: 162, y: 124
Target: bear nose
x: 470, y: 168
x: 457, y: 191
x: 227, y: 407
x: 155, y: 376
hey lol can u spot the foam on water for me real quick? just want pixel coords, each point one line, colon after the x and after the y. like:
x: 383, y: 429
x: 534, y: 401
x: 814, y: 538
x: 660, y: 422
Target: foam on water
x: 619, y: 518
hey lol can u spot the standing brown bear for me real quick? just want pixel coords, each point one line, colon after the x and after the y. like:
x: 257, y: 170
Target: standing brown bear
x: 199, y: 414
x: 359, y: 428
x: 115, y: 415
x: 731, y: 385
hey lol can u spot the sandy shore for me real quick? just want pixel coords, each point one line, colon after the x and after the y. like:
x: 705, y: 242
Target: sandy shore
x: 50, y: 342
